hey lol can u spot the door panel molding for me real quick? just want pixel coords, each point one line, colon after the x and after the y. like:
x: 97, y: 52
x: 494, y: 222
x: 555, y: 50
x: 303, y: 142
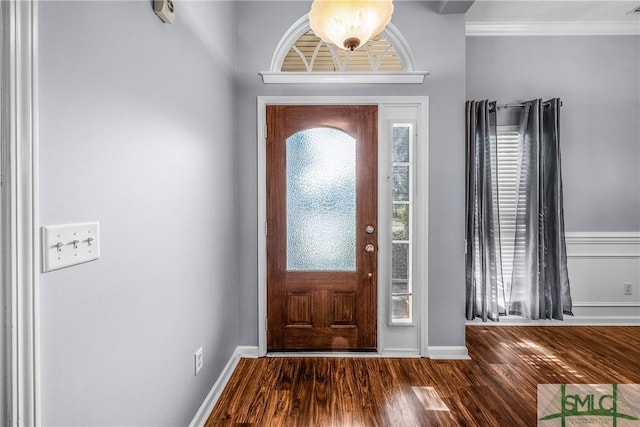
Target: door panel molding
x: 421, y: 231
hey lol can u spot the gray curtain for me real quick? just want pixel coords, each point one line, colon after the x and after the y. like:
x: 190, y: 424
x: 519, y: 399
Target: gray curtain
x: 540, y: 282
x: 484, y: 282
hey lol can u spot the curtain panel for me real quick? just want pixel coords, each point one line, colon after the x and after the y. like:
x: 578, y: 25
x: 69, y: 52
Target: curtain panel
x: 540, y: 283
x: 484, y: 282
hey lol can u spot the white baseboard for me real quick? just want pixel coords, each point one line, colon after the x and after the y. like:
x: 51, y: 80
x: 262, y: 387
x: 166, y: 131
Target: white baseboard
x: 448, y: 352
x: 210, y: 401
x: 388, y: 352
x: 602, y: 321
x: 568, y: 321
x: 400, y: 352
x: 248, y: 352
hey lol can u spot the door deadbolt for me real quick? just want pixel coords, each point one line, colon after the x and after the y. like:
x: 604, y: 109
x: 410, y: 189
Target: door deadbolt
x: 369, y: 229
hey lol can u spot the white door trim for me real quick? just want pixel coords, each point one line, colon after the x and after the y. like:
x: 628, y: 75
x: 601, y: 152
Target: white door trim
x: 20, y: 241
x: 422, y: 232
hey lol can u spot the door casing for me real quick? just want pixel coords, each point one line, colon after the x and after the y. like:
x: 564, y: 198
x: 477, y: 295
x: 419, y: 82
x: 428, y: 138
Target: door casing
x: 420, y: 231
x: 19, y: 359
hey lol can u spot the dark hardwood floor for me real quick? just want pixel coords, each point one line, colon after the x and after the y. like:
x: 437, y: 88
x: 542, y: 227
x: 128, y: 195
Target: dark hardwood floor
x: 498, y: 387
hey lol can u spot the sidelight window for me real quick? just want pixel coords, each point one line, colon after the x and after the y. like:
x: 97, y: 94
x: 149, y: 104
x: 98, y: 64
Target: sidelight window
x: 401, y: 223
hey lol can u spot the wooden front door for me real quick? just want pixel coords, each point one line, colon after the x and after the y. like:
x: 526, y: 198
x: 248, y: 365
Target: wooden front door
x: 321, y: 227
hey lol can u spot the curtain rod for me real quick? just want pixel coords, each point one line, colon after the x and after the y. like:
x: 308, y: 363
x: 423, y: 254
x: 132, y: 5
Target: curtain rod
x: 545, y: 104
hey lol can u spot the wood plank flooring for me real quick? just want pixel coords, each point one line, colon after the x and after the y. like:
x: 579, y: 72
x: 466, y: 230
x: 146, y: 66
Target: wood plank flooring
x: 498, y: 387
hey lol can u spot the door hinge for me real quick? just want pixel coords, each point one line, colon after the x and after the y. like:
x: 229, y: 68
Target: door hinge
x: 265, y: 132
x: 265, y: 228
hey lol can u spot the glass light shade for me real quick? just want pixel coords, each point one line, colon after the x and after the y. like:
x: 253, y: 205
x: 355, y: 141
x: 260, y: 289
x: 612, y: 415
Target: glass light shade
x: 349, y: 24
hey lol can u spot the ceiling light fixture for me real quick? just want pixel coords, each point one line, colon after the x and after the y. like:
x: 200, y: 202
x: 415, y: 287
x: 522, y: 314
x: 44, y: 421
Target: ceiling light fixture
x: 349, y: 24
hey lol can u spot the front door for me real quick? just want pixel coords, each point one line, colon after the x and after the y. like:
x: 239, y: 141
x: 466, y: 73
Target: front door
x: 321, y: 227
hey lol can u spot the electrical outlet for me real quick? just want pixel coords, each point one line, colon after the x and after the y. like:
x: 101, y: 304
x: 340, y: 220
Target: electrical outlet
x: 628, y: 290
x: 199, y: 360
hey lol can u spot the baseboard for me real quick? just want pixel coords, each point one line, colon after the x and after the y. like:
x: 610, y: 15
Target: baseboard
x: 448, y: 352
x: 401, y: 352
x: 214, y: 394
x: 389, y: 352
x: 248, y: 352
x: 568, y: 321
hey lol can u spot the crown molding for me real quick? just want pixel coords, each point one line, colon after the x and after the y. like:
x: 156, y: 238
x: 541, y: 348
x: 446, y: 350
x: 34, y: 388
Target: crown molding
x: 554, y: 28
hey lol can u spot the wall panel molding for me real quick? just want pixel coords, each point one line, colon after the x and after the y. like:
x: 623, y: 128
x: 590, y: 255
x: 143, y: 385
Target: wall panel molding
x: 599, y: 265
x: 605, y: 238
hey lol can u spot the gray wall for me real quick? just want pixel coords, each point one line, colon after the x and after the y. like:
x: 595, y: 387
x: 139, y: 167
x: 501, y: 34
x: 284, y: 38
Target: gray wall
x: 438, y: 44
x: 137, y: 132
x: 597, y: 79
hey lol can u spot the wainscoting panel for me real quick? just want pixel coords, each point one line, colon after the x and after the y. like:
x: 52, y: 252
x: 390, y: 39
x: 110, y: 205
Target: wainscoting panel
x: 599, y: 266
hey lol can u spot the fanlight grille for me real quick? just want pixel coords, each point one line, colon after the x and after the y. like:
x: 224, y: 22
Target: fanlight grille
x: 311, y: 54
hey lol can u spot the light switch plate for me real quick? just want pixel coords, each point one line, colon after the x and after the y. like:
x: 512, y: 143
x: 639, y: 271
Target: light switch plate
x: 69, y: 244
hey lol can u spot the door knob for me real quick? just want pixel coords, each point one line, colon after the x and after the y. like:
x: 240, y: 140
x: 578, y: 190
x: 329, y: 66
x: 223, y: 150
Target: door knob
x: 369, y: 248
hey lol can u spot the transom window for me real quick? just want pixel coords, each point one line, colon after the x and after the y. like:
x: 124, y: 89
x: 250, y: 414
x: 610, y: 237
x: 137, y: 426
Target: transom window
x: 310, y: 53
x: 301, y: 57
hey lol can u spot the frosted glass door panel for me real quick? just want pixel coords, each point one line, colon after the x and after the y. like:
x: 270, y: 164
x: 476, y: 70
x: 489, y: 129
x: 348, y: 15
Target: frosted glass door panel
x: 321, y: 200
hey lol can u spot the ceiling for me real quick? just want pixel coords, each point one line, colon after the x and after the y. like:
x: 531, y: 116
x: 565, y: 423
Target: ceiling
x: 577, y: 17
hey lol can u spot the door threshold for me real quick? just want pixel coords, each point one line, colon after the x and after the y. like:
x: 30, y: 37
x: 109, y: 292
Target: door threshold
x: 345, y: 354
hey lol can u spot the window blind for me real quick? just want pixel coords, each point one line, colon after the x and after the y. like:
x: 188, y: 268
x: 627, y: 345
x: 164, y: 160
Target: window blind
x: 507, y: 143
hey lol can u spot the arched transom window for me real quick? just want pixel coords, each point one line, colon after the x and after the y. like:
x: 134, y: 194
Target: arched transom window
x: 301, y: 57
x: 310, y: 53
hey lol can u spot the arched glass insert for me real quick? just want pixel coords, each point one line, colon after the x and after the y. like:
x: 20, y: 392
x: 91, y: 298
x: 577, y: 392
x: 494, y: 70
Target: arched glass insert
x: 309, y: 54
x: 321, y: 200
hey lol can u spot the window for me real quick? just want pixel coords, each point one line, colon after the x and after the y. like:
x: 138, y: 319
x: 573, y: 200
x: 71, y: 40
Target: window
x: 507, y: 186
x: 310, y: 54
x: 401, y: 223
x: 321, y: 200
x: 302, y: 58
